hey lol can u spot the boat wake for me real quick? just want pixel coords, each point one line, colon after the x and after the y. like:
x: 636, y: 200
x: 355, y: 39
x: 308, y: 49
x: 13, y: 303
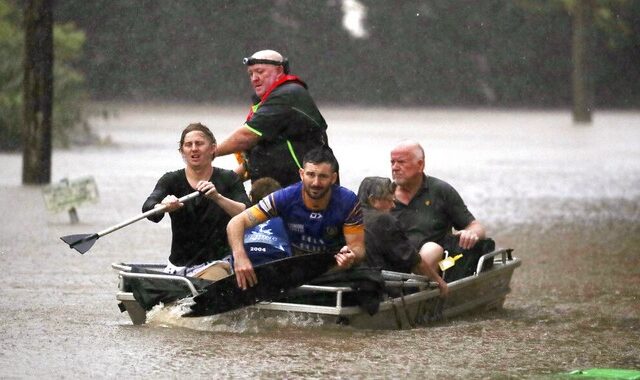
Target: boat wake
x: 246, y: 320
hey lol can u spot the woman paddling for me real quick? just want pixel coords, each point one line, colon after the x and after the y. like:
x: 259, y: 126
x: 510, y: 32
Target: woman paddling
x: 199, y: 238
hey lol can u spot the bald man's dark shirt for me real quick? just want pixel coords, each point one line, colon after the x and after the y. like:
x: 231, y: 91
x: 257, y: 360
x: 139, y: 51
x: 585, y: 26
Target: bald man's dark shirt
x: 433, y: 211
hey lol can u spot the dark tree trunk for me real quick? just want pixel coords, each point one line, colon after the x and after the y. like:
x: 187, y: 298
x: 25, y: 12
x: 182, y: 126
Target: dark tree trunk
x: 38, y: 92
x: 581, y: 80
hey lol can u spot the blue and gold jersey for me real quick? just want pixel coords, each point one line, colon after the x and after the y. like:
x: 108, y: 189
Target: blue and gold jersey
x: 313, y: 231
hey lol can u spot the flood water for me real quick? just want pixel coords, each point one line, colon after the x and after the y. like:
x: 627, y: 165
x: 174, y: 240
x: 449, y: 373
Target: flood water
x: 565, y: 197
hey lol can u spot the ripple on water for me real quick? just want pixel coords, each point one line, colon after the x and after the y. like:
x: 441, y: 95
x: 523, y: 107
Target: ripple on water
x: 566, y: 198
x: 246, y: 320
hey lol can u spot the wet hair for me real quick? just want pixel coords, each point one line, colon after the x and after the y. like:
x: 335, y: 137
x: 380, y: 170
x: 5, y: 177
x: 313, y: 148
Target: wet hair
x: 321, y: 155
x: 196, y: 127
x: 375, y: 188
x: 262, y: 187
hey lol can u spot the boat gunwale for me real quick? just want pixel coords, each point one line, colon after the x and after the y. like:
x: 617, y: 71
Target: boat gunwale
x: 507, y: 263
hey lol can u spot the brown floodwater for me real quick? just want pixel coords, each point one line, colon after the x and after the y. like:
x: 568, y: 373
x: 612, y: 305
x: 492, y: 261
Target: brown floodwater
x: 565, y: 197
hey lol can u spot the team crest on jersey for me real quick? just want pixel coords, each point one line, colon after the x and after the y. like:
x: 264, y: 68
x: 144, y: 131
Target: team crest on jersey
x: 330, y: 232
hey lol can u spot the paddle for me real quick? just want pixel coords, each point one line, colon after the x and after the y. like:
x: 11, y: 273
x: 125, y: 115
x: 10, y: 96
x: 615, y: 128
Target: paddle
x: 274, y: 278
x: 83, y: 242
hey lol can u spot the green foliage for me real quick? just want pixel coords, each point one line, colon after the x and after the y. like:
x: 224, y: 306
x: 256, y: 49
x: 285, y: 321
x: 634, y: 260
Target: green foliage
x: 10, y: 77
x: 68, y: 90
x: 68, y: 84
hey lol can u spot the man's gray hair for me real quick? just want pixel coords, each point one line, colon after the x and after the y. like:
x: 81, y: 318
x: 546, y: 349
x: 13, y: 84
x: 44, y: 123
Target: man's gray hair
x: 414, y: 146
x: 375, y: 188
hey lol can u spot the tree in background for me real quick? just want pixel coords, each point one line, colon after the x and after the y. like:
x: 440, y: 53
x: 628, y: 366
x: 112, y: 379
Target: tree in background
x: 582, y: 39
x: 37, y: 92
x: 11, y: 42
x: 69, y: 119
x: 599, y: 30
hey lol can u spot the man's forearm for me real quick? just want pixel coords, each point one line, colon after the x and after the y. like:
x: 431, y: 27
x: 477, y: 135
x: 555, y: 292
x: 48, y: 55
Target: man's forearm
x: 240, y: 140
x: 230, y: 206
x: 235, y: 233
x: 359, y: 251
x: 236, y: 228
x: 355, y: 242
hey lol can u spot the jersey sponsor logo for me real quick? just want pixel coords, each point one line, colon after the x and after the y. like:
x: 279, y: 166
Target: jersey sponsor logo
x: 312, y: 240
x: 315, y: 215
x: 309, y: 248
x: 296, y: 227
x: 310, y: 244
x: 257, y: 237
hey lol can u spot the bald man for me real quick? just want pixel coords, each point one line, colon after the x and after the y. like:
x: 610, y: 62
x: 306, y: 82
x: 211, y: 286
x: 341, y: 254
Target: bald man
x: 283, y: 125
x: 428, y: 207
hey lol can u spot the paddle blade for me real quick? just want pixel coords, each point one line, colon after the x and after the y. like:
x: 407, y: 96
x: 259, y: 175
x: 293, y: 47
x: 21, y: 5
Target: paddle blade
x: 80, y: 242
x: 274, y: 278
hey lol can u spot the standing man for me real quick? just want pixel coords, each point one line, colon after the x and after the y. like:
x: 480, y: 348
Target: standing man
x: 428, y: 208
x: 319, y: 216
x: 283, y: 125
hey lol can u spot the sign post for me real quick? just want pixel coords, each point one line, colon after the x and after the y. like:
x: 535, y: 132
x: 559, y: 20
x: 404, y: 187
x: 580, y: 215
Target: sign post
x: 70, y: 194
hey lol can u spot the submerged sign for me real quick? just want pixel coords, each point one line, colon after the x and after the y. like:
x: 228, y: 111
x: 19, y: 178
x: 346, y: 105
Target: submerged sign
x: 67, y: 195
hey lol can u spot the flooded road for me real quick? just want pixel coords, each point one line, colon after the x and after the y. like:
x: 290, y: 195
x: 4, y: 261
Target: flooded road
x: 565, y: 197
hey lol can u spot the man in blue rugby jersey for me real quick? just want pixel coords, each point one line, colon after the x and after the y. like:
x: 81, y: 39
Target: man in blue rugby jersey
x: 319, y: 217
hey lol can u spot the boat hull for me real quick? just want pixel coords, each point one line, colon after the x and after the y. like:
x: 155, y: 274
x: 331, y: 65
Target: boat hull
x: 477, y: 293
x: 415, y: 301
